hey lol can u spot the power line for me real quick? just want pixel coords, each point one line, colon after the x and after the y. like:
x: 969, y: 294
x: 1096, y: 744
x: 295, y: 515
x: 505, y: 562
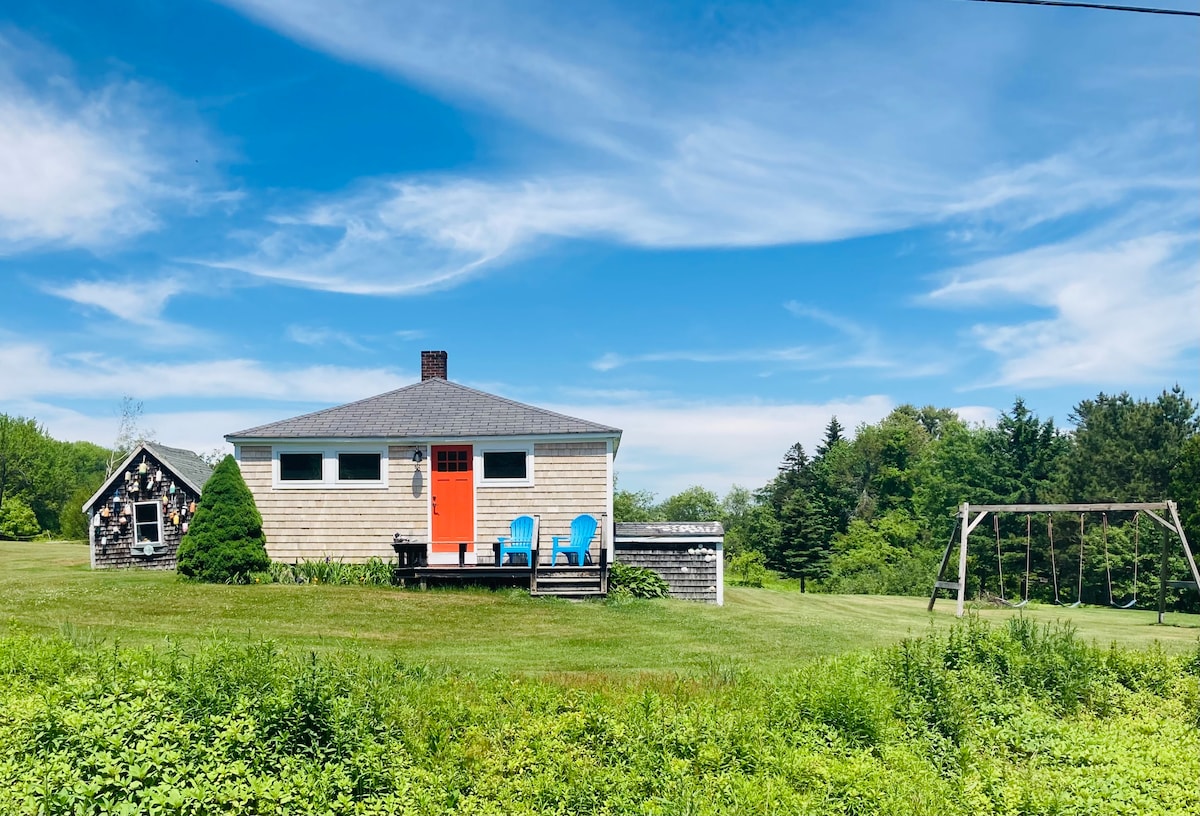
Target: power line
x: 1104, y: 6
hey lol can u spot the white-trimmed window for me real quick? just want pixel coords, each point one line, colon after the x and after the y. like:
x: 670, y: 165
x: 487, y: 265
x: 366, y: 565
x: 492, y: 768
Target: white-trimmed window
x: 147, y: 523
x: 504, y: 465
x: 354, y: 466
x: 301, y: 466
x: 342, y: 466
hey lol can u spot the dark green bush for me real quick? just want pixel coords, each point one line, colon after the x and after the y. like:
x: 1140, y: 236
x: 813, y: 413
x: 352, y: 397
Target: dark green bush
x: 225, y: 539
x: 628, y: 581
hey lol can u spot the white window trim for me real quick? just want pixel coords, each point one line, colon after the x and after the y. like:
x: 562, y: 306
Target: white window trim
x: 157, y: 520
x: 329, y: 468
x: 296, y: 483
x: 380, y: 482
x: 504, y: 447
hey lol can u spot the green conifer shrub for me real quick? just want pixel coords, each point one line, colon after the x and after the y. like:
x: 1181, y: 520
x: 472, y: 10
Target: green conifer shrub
x: 225, y: 539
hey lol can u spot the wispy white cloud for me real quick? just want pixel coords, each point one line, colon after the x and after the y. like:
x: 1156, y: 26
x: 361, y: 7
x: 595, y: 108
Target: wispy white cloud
x: 977, y: 414
x: 139, y: 302
x: 764, y: 130
x: 318, y: 336
x: 29, y: 371
x: 853, y: 346
x: 1113, y: 311
x: 87, y: 166
x: 197, y: 430
x: 136, y: 302
x: 845, y: 325
x: 669, y: 445
x: 799, y: 354
x: 309, y: 336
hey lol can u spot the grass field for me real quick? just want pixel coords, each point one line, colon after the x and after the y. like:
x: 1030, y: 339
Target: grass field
x: 48, y: 588
x: 134, y: 692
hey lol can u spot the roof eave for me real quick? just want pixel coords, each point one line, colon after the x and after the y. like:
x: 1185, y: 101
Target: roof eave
x: 235, y: 439
x: 147, y: 447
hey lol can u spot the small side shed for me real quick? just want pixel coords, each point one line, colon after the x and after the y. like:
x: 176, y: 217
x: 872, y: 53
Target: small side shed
x: 688, y: 555
x: 142, y: 510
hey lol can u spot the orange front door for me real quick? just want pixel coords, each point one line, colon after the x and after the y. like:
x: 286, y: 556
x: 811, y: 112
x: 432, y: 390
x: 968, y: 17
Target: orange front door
x: 452, y: 495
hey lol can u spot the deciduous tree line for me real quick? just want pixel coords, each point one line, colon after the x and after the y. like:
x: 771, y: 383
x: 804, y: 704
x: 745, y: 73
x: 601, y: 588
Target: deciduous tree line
x: 44, y: 482
x: 874, y: 513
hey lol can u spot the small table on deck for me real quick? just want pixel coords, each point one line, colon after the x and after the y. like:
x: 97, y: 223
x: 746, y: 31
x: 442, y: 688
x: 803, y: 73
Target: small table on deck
x: 410, y: 553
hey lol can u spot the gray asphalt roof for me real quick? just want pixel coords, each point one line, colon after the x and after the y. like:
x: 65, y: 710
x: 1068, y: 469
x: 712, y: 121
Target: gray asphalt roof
x: 184, y: 463
x: 649, y: 529
x: 428, y: 409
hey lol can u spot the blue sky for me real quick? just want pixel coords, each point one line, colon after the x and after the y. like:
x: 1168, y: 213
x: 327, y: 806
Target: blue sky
x: 711, y: 225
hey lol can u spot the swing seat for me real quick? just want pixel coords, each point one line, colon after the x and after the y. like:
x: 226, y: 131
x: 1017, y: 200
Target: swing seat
x: 1129, y: 605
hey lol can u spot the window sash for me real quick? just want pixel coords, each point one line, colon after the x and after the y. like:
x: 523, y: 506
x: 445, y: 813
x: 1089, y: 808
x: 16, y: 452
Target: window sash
x: 301, y: 467
x: 360, y: 467
x: 506, y: 465
x: 147, y: 523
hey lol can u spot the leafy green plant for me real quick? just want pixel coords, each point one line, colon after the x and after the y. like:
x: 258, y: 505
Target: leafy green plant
x: 225, y: 541
x: 749, y: 568
x: 17, y: 520
x: 373, y: 572
x: 636, y: 582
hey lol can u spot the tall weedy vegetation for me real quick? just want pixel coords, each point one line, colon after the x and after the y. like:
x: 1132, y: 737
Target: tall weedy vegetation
x: 1011, y: 719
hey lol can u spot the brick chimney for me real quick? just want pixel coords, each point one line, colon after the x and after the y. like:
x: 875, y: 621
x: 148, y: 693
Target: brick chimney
x: 433, y: 365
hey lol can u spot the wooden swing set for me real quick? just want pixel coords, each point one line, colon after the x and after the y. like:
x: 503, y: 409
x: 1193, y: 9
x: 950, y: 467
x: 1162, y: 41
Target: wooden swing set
x: 969, y: 516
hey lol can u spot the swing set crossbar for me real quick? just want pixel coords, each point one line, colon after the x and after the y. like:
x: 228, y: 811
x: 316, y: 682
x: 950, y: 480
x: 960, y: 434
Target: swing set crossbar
x: 967, y: 522
x: 1070, y: 508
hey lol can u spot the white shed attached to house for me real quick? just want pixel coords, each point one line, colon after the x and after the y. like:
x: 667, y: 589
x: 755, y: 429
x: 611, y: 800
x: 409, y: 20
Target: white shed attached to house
x: 436, y: 462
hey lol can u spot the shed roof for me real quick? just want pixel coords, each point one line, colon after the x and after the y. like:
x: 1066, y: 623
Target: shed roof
x: 184, y: 465
x: 431, y: 408
x: 667, y: 529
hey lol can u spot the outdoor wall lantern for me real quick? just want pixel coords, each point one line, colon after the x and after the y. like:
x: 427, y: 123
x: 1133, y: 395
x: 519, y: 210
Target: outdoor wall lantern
x: 418, y: 455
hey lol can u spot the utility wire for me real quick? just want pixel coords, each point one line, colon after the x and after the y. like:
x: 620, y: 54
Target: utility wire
x: 1104, y: 6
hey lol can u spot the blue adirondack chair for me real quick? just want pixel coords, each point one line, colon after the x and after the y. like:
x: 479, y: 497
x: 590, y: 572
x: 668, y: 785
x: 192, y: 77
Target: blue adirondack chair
x: 583, y: 528
x: 520, y: 542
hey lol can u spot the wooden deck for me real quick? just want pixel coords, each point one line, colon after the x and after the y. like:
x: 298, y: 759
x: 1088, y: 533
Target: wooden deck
x: 575, y: 582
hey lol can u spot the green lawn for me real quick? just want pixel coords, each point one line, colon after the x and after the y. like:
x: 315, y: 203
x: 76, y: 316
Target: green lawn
x: 48, y: 588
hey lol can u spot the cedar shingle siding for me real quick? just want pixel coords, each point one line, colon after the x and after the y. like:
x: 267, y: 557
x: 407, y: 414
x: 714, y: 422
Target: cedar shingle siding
x: 111, y: 540
x: 570, y: 475
x: 686, y: 554
x: 353, y: 525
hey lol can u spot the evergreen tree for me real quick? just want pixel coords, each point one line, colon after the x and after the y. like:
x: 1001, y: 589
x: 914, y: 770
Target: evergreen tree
x: 225, y: 540
x: 833, y: 435
x: 806, y: 531
x: 836, y: 483
x: 793, y: 473
x: 1125, y: 449
x: 1185, y: 487
x: 890, y: 451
